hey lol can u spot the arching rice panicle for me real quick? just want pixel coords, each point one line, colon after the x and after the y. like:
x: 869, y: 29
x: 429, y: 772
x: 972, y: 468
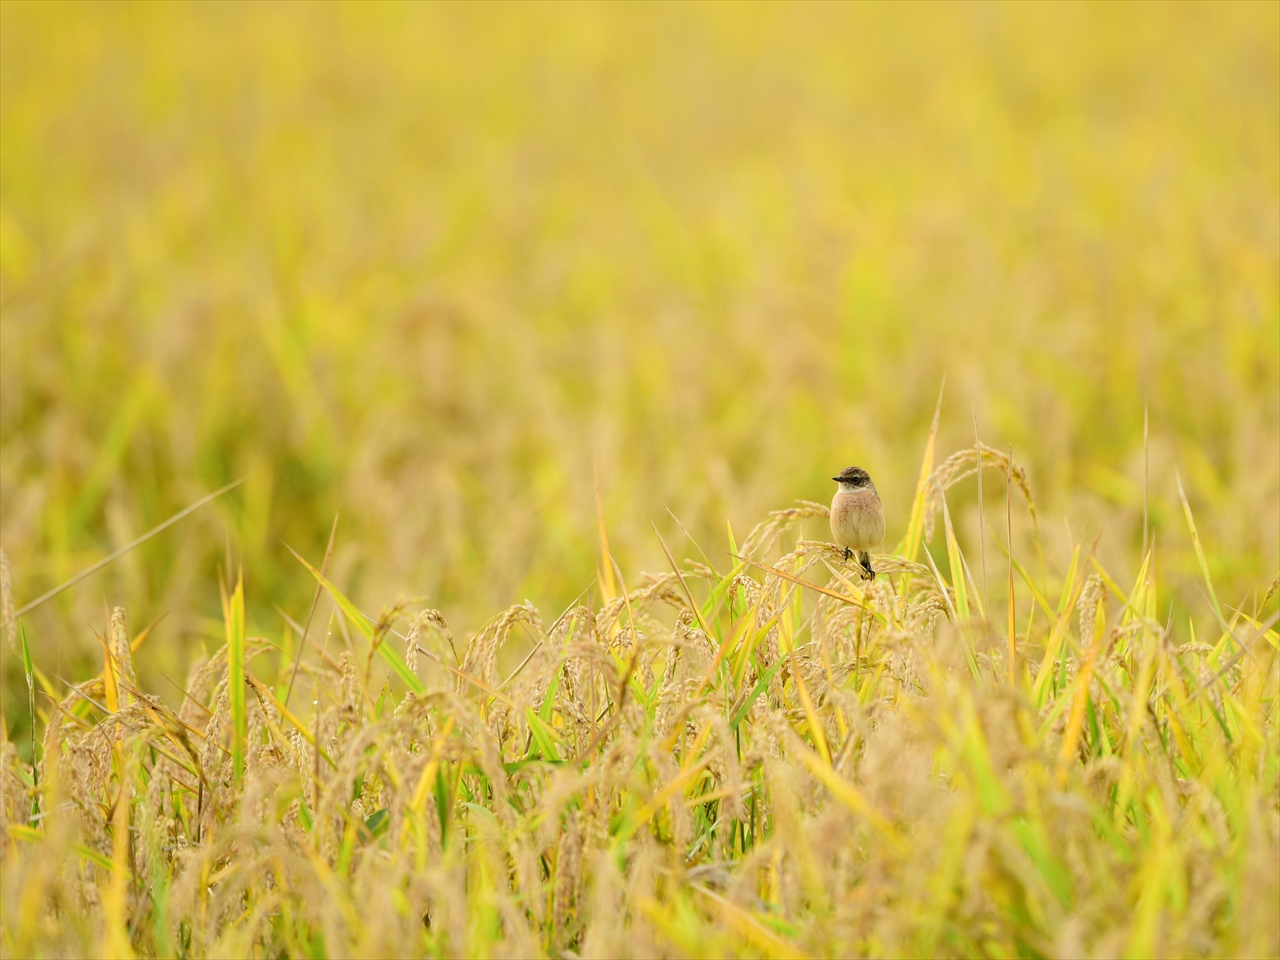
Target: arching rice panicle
x: 765, y: 534
x: 478, y: 663
x: 965, y: 463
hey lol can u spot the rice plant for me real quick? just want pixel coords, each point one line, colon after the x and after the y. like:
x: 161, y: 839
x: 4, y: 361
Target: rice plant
x: 773, y: 758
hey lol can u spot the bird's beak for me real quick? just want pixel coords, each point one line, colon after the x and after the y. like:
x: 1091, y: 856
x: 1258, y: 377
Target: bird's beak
x: 836, y: 479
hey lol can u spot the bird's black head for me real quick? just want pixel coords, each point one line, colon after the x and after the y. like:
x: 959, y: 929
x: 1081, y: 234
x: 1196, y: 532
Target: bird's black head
x: 853, y: 475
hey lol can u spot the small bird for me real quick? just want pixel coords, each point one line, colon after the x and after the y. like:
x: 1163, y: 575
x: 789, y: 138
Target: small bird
x: 857, y: 517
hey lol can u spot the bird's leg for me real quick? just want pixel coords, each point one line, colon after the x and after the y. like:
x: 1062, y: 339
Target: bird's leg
x: 865, y: 558
x: 847, y: 554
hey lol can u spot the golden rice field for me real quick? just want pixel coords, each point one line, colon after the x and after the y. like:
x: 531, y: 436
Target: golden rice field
x: 530, y: 336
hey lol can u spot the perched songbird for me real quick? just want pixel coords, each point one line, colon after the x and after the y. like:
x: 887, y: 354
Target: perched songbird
x: 857, y: 518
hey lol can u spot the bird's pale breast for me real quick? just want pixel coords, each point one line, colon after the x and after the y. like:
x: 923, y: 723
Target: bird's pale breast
x: 857, y: 519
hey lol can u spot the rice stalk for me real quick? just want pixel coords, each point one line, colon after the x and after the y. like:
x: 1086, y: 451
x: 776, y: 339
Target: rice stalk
x: 846, y: 771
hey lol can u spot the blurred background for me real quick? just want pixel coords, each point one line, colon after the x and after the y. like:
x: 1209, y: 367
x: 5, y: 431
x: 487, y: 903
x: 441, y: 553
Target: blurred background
x: 438, y: 266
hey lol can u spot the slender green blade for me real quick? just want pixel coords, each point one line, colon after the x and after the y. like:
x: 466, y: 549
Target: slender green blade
x: 957, y: 565
x: 764, y: 681
x: 544, y: 737
x: 1200, y: 557
x: 366, y: 628
x: 915, y: 525
x: 235, y: 677
x: 31, y: 707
